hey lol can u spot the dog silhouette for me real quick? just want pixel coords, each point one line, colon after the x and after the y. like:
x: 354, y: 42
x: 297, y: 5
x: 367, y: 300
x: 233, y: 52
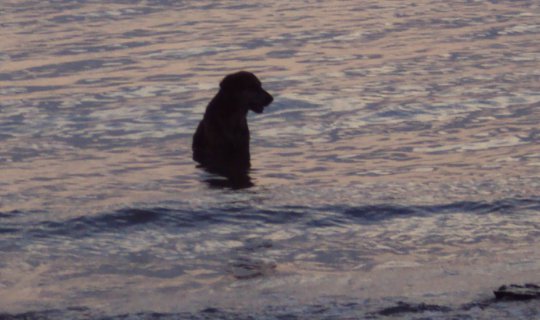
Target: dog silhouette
x: 221, y: 141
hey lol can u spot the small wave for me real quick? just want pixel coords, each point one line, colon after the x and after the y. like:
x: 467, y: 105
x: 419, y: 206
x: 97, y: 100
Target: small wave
x: 327, y: 309
x: 319, y: 217
x: 117, y: 221
x: 166, y: 218
x: 372, y: 214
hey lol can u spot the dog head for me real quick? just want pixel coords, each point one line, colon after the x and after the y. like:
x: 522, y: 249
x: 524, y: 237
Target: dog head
x: 247, y: 91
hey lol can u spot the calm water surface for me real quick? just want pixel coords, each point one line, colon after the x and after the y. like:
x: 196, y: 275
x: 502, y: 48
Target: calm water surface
x: 400, y: 160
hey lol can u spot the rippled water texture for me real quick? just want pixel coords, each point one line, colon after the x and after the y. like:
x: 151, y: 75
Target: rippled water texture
x: 400, y: 160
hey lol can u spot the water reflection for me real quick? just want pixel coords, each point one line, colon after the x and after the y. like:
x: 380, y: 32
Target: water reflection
x: 231, y: 178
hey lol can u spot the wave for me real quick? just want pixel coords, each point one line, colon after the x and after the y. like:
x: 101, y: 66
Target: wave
x: 128, y: 219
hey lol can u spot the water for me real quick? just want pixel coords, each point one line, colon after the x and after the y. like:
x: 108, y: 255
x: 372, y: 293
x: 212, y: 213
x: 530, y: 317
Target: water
x: 399, y: 161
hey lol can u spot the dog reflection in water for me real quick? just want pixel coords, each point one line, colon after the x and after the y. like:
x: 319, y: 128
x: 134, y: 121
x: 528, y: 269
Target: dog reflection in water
x: 221, y: 142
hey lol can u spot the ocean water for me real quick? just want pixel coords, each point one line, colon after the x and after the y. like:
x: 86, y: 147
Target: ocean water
x: 399, y: 164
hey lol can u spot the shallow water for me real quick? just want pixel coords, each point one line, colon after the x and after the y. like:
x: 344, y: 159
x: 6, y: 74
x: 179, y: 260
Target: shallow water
x: 399, y: 161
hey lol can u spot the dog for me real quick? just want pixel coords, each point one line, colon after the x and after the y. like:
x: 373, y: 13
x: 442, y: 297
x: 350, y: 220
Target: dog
x: 221, y: 141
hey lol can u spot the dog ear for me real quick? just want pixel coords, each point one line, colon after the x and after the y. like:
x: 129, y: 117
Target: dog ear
x: 227, y: 83
x: 234, y: 81
x: 240, y: 80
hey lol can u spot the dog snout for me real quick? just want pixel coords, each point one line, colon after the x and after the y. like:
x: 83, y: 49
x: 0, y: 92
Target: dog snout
x: 267, y: 98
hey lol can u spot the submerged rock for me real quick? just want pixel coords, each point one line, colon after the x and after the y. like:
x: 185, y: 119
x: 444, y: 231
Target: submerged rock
x: 404, y: 307
x: 516, y: 292
x: 247, y: 268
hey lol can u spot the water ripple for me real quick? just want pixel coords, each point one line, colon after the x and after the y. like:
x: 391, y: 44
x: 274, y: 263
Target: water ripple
x: 402, y: 136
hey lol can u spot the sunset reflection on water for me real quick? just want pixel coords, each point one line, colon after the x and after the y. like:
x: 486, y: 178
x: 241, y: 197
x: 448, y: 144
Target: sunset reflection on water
x: 426, y: 111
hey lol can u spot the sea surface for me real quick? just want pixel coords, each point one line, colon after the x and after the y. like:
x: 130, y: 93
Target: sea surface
x: 396, y: 174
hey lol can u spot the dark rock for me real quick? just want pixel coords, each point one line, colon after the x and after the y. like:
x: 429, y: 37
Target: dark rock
x: 210, y: 310
x: 404, y: 307
x: 515, y: 292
